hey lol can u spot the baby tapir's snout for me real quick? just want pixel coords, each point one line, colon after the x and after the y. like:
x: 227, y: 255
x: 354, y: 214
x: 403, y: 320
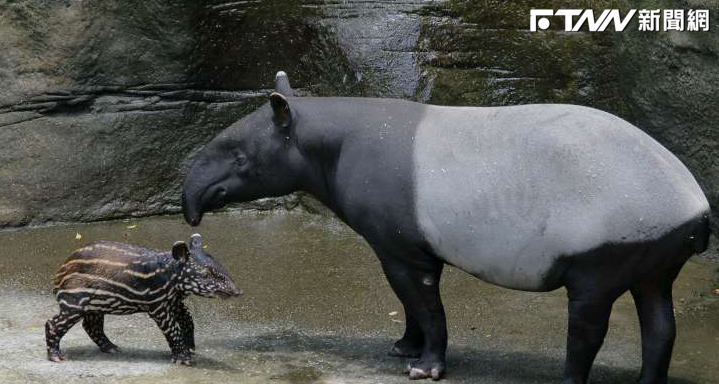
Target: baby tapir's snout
x: 113, y: 278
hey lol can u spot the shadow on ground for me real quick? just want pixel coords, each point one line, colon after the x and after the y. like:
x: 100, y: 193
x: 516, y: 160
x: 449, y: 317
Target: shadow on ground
x: 468, y: 364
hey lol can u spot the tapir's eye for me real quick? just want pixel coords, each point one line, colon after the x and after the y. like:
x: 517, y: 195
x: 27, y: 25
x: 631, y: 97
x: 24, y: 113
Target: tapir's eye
x: 240, y: 159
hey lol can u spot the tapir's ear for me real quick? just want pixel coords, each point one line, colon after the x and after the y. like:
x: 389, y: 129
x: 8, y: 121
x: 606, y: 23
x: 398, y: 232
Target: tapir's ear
x: 282, y: 84
x: 196, y: 241
x: 281, y: 110
x: 180, y: 251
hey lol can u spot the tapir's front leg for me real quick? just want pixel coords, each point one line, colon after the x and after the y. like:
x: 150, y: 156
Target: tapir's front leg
x: 166, y: 319
x: 412, y: 342
x: 188, y: 327
x: 416, y: 284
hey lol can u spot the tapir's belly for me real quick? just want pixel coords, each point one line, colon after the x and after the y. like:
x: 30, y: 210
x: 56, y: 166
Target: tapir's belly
x: 503, y: 193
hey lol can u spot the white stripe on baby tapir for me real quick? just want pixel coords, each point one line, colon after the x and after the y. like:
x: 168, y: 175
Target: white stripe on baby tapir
x: 66, y: 304
x: 159, y: 308
x: 92, y: 261
x: 90, y: 277
x: 94, y: 291
x: 147, y: 291
x: 114, y: 264
x: 105, y: 302
x: 504, y: 192
x: 144, y: 275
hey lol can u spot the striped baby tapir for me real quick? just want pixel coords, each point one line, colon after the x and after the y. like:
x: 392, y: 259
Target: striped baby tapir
x: 119, y: 279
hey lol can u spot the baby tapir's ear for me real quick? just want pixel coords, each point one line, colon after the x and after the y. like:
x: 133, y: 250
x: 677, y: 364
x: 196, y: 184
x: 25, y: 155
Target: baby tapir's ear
x: 180, y: 251
x: 282, y: 116
x: 196, y: 241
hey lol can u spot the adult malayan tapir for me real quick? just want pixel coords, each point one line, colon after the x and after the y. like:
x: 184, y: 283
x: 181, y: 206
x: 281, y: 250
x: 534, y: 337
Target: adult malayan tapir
x: 531, y: 197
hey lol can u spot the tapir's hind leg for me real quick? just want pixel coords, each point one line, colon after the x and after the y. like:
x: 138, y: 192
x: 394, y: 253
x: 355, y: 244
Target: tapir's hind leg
x: 656, y: 318
x: 588, y: 322
x: 653, y: 297
x: 93, y: 323
x: 55, y: 329
x: 593, y: 284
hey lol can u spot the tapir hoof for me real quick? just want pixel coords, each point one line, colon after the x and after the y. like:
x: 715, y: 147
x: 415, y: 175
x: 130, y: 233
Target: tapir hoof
x: 425, y: 370
x: 185, y: 360
x: 56, y: 357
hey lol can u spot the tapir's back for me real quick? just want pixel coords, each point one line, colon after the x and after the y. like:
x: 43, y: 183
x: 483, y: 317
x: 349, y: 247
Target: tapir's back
x: 504, y: 192
x: 116, y: 278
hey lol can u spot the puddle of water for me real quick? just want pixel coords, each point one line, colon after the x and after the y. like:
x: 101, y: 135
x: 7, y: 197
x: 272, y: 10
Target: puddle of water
x: 318, y: 309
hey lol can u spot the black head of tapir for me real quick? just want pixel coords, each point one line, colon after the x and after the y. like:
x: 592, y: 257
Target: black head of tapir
x: 200, y: 274
x: 253, y: 158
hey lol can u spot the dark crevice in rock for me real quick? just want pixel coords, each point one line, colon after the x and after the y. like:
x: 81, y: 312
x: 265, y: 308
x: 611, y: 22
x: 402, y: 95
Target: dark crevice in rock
x: 147, y: 97
x: 7, y: 124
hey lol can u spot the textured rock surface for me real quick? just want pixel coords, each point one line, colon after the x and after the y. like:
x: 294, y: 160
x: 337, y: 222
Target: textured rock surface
x: 671, y: 82
x: 95, y: 115
x: 100, y: 102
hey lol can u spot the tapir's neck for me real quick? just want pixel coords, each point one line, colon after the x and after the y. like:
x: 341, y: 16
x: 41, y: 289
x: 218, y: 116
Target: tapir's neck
x: 320, y: 136
x: 330, y: 129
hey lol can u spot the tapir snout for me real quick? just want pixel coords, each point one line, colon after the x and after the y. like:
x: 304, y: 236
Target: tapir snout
x: 192, y: 214
x: 197, y: 200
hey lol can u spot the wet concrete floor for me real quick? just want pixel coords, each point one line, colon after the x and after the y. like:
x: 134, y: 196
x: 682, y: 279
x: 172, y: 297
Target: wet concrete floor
x: 317, y: 309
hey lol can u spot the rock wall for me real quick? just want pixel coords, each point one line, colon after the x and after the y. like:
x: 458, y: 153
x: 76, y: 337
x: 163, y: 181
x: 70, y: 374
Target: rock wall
x: 102, y: 101
x: 97, y: 110
x: 671, y: 83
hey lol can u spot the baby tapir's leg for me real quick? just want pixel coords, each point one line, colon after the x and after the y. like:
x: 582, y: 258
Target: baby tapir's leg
x: 93, y: 323
x: 55, y: 329
x: 166, y: 319
x: 188, y: 327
